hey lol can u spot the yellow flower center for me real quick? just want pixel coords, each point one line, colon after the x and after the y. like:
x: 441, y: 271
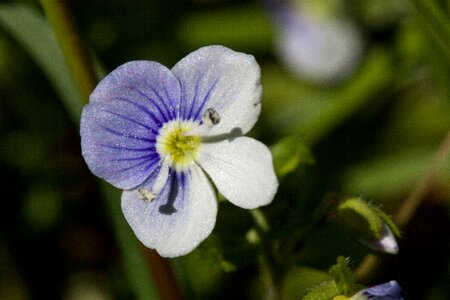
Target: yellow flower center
x: 173, y: 144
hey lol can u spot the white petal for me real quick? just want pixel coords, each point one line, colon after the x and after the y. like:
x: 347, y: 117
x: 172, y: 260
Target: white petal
x: 224, y: 80
x: 190, y: 220
x: 242, y: 170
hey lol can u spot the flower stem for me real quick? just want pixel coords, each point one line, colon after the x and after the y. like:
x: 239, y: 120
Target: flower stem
x: 260, y: 219
x: 265, y: 264
x: 269, y: 291
x: 84, y: 75
x: 69, y: 40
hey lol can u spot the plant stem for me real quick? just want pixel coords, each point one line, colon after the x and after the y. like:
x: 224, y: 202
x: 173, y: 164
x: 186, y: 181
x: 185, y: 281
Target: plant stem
x: 69, y: 40
x: 269, y: 290
x: 133, y: 258
x: 84, y: 75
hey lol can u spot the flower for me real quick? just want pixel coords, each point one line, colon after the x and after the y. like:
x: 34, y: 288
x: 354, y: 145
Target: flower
x: 386, y: 291
x: 160, y: 134
x: 315, y: 48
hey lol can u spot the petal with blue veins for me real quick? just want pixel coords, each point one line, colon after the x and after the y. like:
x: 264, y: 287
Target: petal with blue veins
x: 181, y: 216
x: 221, y: 79
x: 147, y: 85
x: 119, y: 125
x: 386, y: 291
x: 116, y: 147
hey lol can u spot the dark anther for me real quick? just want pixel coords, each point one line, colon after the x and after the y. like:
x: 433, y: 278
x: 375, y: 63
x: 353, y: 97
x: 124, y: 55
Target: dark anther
x: 211, y: 117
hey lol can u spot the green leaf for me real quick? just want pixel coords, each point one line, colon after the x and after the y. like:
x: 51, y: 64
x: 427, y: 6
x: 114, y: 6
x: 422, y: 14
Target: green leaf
x: 388, y: 221
x: 326, y: 290
x: 388, y: 176
x: 299, y: 280
x: 243, y: 28
x: 32, y: 32
x: 344, y: 278
x: 288, y: 154
x: 434, y: 20
x: 360, y: 218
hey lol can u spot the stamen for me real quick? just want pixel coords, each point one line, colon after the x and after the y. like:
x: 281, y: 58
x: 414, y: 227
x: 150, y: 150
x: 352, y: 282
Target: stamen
x: 211, y: 117
x: 177, y: 144
x: 146, y: 195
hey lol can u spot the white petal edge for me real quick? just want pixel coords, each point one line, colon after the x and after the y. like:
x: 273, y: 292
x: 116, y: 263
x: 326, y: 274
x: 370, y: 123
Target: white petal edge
x: 181, y: 232
x: 235, y: 81
x: 242, y: 170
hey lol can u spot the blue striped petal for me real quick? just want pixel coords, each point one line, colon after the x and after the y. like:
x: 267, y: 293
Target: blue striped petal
x: 221, y: 79
x: 386, y: 291
x: 119, y: 126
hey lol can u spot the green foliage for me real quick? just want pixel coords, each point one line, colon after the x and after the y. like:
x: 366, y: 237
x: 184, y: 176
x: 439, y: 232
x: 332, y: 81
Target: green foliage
x: 343, y: 278
x: 32, y: 31
x: 326, y: 290
x: 299, y: 281
x: 373, y: 135
x: 243, y: 28
x: 388, y: 221
x: 288, y: 154
x: 360, y: 218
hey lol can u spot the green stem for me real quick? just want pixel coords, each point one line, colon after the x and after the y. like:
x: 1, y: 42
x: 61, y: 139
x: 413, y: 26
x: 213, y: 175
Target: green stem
x: 266, y: 272
x: 71, y: 46
x: 269, y: 290
x: 260, y: 219
x: 135, y: 262
x: 435, y: 22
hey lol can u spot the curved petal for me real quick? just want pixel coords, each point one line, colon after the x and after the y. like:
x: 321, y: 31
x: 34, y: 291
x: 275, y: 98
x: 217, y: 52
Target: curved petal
x: 228, y: 82
x: 148, y: 86
x: 389, y: 291
x: 180, y: 217
x: 116, y: 147
x: 241, y: 169
x: 119, y: 126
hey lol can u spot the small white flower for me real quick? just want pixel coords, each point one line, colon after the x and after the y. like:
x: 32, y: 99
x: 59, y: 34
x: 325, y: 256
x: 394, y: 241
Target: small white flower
x: 155, y: 132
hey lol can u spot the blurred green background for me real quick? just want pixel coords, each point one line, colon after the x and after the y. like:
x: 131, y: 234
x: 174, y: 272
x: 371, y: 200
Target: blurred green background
x: 373, y: 135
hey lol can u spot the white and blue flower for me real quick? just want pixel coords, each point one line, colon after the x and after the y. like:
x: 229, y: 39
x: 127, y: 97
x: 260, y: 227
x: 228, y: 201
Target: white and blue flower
x: 160, y: 134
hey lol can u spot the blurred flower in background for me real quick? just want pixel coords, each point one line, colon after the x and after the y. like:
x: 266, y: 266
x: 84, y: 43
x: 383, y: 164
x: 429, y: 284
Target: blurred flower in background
x: 313, y: 41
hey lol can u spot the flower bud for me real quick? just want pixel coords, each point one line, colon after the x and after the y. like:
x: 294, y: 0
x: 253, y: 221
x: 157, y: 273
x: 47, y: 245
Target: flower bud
x: 369, y: 225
